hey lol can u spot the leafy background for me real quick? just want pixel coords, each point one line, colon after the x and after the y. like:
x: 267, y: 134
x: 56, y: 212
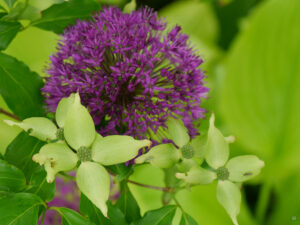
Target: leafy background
x: 252, y: 54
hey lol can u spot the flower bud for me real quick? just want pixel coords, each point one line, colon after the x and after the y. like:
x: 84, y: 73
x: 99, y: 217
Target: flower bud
x: 39, y: 127
x: 55, y: 157
x: 161, y: 156
x: 117, y: 149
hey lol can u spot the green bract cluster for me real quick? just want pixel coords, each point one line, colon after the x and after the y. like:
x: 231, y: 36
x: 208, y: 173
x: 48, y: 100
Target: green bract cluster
x: 76, y: 141
x: 188, y: 156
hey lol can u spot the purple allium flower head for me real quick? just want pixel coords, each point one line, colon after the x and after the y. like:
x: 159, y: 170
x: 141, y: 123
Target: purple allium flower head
x: 130, y: 72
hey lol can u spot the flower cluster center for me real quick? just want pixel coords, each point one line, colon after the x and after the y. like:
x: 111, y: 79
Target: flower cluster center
x: 187, y: 151
x: 84, y: 154
x: 222, y: 173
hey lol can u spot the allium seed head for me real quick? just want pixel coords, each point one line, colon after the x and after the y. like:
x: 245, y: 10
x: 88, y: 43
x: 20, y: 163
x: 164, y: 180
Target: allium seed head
x: 130, y: 72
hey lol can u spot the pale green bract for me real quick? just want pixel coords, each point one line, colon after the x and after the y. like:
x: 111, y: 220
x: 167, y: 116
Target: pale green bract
x: 242, y: 168
x: 217, y: 149
x: 161, y: 156
x: 229, y: 195
x: 198, y: 175
x: 116, y: 149
x: 39, y: 127
x: 178, y: 132
x: 94, y: 182
x: 63, y: 109
x: 79, y: 129
x: 56, y: 157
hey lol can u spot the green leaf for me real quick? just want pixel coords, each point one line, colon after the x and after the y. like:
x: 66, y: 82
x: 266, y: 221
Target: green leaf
x: 178, y: 132
x: 55, y: 157
x: 217, y: 149
x: 197, y: 175
x: 57, y: 17
x: 40, y: 186
x: 1, y: 156
x: 79, y: 130
x: 20, y: 87
x: 160, y: 216
x: 20, y: 208
x: 8, y: 30
x: 10, y: 3
x: 229, y: 196
x: 88, y: 209
x: 117, y: 149
x: 11, y: 178
x: 261, y: 90
x: 20, y: 151
x: 121, y: 170
x: 161, y: 156
x: 116, y: 215
x: 128, y: 205
x: 70, y: 217
x: 186, y: 219
x: 94, y: 182
x: 242, y: 168
x: 39, y: 127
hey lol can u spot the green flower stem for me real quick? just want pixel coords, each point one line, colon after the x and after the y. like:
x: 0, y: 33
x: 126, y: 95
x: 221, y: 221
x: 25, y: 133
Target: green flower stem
x: 2, y: 111
x: 67, y: 175
x: 263, y: 200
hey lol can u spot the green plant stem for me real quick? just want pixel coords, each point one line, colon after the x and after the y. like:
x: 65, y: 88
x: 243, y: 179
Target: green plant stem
x: 2, y: 111
x: 43, y: 217
x: 164, y: 189
x: 178, y: 204
x: 263, y: 200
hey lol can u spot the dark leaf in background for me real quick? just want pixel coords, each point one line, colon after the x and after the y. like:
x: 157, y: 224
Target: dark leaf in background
x: 88, y: 209
x: 70, y: 217
x: 230, y: 16
x: 186, y: 219
x: 1, y: 156
x: 160, y: 216
x: 11, y: 178
x: 20, y: 152
x: 8, y: 30
x: 20, y: 87
x: 10, y: 3
x: 57, y: 17
x: 128, y: 205
x: 20, y: 208
x: 40, y: 186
